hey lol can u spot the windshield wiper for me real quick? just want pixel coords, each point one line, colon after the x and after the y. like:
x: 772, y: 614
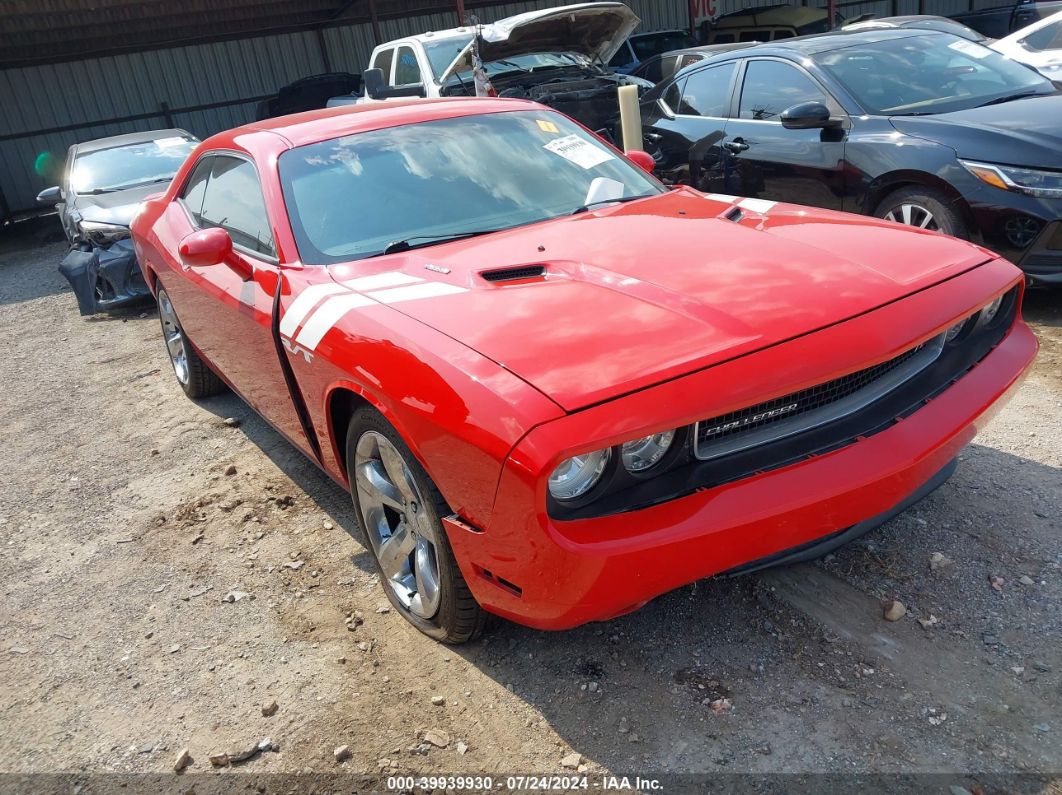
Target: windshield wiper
x: 1009, y: 98
x: 430, y: 240
x: 586, y: 207
x: 98, y: 191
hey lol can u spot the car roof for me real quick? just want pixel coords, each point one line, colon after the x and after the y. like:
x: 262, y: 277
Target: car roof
x: 128, y: 139
x: 313, y: 126
x: 835, y: 40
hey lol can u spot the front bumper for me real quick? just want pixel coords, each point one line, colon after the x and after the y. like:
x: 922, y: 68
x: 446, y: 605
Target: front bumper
x: 1025, y: 229
x: 104, y: 278
x: 535, y: 570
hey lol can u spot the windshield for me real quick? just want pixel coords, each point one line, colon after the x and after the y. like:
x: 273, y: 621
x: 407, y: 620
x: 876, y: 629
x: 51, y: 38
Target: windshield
x: 123, y: 167
x: 352, y: 197
x: 929, y: 73
x: 441, y: 53
x: 526, y: 63
x: 646, y: 47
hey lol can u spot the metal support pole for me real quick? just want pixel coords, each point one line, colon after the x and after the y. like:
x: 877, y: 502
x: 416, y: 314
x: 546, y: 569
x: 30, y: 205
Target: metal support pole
x: 831, y: 9
x: 166, y: 113
x: 322, y: 45
x: 693, y: 17
x: 377, y: 39
x: 460, y: 8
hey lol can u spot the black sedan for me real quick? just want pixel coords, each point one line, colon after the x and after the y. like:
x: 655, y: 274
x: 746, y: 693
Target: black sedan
x: 920, y: 127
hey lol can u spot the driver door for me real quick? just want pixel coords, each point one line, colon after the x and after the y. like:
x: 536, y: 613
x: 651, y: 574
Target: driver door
x: 228, y: 319
x: 762, y: 159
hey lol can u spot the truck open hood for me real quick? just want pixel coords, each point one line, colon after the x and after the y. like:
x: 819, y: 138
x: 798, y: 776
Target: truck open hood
x: 636, y: 294
x: 596, y: 30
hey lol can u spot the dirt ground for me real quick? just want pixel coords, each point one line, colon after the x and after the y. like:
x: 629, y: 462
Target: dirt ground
x: 122, y: 537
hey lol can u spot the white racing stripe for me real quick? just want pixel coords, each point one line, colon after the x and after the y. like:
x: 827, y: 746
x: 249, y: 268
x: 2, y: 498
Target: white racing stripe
x: 303, y: 303
x: 415, y: 291
x: 721, y: 197
x: 756, y: 205
x: 385, y: 288
x: 381, y: 281
x: 327, y: 316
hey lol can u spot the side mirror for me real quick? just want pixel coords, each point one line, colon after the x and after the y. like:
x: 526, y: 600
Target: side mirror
x: 643, y: 160
x: 374, y: 82
x: 808, y: 116
x: 52, y: 195
x: 213, y: 247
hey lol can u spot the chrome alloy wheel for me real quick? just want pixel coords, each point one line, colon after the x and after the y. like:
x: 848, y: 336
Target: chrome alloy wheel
x: 171, y: 331
x: 400, y: 527
x: 913, y: 215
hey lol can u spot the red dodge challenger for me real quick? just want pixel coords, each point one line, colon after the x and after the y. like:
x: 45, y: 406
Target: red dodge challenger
x: 555, y: 388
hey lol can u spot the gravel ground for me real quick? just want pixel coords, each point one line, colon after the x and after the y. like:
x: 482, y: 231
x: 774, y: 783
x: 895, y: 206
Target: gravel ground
x: 127, y: 635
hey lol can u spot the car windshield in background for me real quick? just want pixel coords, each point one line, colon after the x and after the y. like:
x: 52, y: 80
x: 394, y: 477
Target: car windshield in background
x: 1048, y: 37
x: 932, y: 73
x: 354, y: 197
x: 442, y: 52
x: 528, y: 62
x: 122, y: 167
x: 648, y: 46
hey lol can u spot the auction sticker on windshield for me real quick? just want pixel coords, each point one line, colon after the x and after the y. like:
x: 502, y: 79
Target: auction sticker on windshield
x: 578, y: 151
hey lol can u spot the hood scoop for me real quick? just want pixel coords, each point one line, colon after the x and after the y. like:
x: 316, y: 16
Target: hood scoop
x: 520, y: 274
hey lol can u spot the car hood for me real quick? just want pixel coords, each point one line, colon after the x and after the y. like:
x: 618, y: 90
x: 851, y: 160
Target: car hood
x: 639, y: 293
x: 596, y: 30
x: 115, y: 208
x: 1023, y: 132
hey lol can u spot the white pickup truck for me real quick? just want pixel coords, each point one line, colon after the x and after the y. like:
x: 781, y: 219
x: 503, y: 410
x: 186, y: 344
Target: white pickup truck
x: 554, y: 56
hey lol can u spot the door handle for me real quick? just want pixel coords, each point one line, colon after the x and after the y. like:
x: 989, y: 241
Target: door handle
x: 654, y: 137
x: 736, y: 146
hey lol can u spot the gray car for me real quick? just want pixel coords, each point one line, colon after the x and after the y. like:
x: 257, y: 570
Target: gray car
x: 104, y: 183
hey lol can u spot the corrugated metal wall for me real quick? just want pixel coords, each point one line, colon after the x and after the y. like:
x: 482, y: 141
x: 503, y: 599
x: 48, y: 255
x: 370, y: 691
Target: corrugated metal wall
x: 232, y: 75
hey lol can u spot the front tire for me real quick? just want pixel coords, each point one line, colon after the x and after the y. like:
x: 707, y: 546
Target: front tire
x: 399, y: 512
x: 924, y: 208
x: 196, y: 379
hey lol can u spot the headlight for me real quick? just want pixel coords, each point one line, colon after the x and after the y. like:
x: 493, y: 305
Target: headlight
x: 576, y: 476
x: 1031, y: 181
x: 954, y: 331
x: 103, y: 234
x: 641, y: 454
x: 988, y: 314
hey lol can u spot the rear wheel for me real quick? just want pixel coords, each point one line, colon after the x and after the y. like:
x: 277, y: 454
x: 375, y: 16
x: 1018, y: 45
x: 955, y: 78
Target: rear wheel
x: 196, y: 379
x: 399, y: 510
x: 924, y: 208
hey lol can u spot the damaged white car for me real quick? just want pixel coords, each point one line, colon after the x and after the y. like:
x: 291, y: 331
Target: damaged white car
x: 104, y: 183
x: 555, y: 56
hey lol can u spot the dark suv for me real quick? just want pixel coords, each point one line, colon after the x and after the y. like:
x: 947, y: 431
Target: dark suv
x: 920, y: 127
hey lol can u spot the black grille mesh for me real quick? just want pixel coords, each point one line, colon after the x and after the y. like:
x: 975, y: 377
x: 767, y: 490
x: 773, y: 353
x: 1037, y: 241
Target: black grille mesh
x: 512, y: 274
x: 741, y: 421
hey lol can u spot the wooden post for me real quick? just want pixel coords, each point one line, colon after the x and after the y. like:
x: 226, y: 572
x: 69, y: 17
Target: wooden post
x: 831, y: 9
x: 693, y: 17
x: 460, y: 8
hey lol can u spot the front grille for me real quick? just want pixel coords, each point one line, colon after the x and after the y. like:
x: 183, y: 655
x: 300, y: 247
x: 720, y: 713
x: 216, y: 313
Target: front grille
x: 808, y: 408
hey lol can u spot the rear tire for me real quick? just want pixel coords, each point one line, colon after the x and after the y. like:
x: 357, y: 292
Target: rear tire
x: 924, y: 208
x: 196, y: 379
x: 399, y: 510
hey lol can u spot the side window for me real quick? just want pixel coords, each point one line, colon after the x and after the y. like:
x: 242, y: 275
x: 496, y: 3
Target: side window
x: 707, y: 92
x: 233, y: 201
x: 192, y: 195
x: 771, y: 86
x: 673, y: 95
x: 754, y: 35
x: 783, y: 34
x: 383, y: 61
x: 407, y: 71
x: 723, y: 38
x: 622, y: 56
